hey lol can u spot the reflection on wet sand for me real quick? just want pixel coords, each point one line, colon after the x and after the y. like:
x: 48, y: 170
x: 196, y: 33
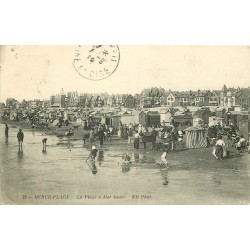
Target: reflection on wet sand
x: 20, y: 157
x: 100, y: 157
x: 140, y: 158
x: 92, y: 166
x: 164, y: 175
x: 33, y: 132
x: 125, y: 168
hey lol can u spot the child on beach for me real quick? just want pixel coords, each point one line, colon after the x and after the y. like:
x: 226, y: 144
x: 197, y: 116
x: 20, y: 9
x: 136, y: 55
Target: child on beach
x: 93, y: 153
x: 126, y: 162
x: 164, y: 162
x: 44, y: 141
x: 126, y: 159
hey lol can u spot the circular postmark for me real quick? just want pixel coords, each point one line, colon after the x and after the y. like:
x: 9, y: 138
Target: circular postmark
x: 96, y: 62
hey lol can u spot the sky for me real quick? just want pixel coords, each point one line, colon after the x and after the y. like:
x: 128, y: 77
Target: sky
x: 37, y: 72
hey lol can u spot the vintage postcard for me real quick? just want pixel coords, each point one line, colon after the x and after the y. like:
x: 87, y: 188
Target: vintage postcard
x: 116, y: 124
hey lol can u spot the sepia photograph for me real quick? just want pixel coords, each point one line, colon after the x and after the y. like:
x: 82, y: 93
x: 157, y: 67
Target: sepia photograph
x: 143, y: 144
x: 125, y: 124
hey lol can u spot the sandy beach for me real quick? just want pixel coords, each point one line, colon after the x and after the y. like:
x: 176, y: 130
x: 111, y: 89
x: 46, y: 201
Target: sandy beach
x: 61, y: 175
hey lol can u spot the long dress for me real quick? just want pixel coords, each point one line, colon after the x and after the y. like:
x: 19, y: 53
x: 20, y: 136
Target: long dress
x: 119, y: 131
x: 219, y: 152
x: 136, y: 141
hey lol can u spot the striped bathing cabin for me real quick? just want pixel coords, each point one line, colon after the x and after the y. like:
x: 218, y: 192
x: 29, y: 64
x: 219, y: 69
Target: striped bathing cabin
x: 195, y: 137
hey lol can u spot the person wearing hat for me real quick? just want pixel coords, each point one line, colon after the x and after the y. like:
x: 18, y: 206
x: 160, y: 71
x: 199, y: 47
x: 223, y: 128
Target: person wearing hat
x: 93, y: 153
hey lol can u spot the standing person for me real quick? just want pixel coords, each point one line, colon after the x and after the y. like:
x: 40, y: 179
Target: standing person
x: 164, y: 162
x: 228, y: 144
x: 144, y: 137
x: 92, y: 136
x: 136, y: 140
x: 44, y: 141
x: 130, y: 135
x: 20, y: 137
x: 219, y: 147
x: 140, y: 128
x: 172, y: 139
x: 101, y: 136
x: 125, y: 132
x: 154, y: 134
x: 119, y: 128
x: 105, y: 132
x: 108, y: 134
x: 111, y: 131
x: 6, y: 132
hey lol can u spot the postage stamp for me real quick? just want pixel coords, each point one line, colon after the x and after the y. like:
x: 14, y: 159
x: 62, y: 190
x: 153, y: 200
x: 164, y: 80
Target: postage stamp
x: 96, y: 62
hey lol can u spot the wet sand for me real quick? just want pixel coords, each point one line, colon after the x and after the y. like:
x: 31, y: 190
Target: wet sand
x: 61, y: 175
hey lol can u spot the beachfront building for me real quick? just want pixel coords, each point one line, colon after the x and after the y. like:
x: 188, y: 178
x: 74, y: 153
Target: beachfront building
x: 214, y: 98
x: 166, y: 117
x: 227, y: 96
x: 242, y: 98
x: 171, y: 98
x: 73, y: 99
x: 201, y: 98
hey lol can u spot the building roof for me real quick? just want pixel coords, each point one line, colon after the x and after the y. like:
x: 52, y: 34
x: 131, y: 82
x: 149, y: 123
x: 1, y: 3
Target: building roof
x: 200, y: 112
x: 217, y: 92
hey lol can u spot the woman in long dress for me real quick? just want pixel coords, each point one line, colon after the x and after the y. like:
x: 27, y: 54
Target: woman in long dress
x: 219, y: 148
x: 119, y: 133
x: 136, y: 140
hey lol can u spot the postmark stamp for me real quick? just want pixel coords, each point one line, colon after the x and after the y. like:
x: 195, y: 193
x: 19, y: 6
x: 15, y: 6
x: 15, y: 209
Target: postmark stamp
x: 96, y: 62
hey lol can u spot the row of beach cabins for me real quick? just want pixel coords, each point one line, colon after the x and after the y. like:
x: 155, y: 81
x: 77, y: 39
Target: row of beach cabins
x: 158, y: 117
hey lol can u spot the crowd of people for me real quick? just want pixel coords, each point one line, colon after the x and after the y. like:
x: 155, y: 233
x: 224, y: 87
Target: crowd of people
x: 136, y: 134
x: 223, y: 147
x: 164, y: 139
